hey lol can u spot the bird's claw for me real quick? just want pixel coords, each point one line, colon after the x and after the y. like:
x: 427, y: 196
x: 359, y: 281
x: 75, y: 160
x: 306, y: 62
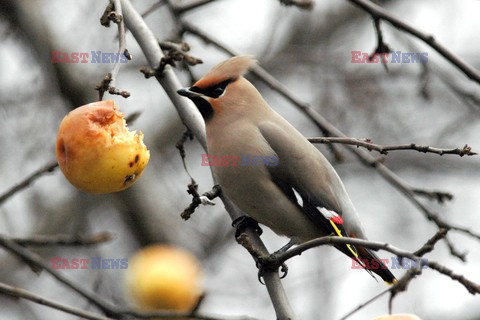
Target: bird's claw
x: 270, y: 264
x: 243, y: 222
x: 284, y: 270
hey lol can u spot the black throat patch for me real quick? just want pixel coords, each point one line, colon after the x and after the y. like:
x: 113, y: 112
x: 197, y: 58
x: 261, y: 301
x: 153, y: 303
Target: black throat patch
x: 204, y: 107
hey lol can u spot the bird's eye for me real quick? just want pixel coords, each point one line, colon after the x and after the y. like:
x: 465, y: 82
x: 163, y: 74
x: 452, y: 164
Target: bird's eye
x: 218, y: 91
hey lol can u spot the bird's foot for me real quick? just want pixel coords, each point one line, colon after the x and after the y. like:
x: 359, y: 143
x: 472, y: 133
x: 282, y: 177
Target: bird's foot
x: 270, y: 263
x: 283, y: 249
x: 242, y: 223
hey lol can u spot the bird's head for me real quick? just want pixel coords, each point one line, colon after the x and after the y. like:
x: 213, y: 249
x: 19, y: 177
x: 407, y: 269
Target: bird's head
x: 223, y: 88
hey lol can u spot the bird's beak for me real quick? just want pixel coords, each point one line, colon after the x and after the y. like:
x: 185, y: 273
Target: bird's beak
x: 186, y: 92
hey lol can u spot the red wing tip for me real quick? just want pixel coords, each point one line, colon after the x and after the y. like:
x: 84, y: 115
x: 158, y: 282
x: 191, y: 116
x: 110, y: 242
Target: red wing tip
x: 337, y: 220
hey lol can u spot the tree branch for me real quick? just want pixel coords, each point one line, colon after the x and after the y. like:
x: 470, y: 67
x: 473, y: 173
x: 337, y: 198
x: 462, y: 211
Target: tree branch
x: 108, y: 308
x: 36, y: 262
x: 191, y: 117
x: 24, y: 294
x: 369, y: 145
x: 50, y: 167
x: 302, y: 4
x: 191, y: 6
x: 471, y: 286
x: 378, y: 12
x: 114, y: 13
x: 403, y: 282
x: 64, y: 240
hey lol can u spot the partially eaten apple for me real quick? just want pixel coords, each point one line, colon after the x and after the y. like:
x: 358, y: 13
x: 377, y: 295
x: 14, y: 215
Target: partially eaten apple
x: 95, y: 150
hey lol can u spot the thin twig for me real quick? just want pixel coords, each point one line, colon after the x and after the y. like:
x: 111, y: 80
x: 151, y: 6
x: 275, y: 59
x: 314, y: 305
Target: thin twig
x: 369, y: 145
x: 364, y: 304
x: 154, y: 7
x: 64, y: 240
x: 439, y: 196
x: 302, y: 4
x: 50, y: 167
x: 191, y: 6
x: 24, y: 294
x: 430, y: 244
x: 109, y: 81
x: 378, y: 12
x: 205, y: 199
x: 402, y: 283
x: 382, y: 48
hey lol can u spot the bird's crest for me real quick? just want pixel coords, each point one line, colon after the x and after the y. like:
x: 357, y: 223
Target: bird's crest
x: 230, y: 69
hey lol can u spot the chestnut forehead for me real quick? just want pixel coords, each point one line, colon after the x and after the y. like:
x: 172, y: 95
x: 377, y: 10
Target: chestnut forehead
x: 210, y: 82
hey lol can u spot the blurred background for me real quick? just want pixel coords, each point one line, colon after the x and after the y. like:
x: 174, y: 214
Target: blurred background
x: 310, y: 52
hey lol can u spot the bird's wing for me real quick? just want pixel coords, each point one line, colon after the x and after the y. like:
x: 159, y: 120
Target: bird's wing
x: 308, y: 179
x: 303, y: 173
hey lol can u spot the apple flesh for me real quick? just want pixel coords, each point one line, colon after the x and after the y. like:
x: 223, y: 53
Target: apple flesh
x: 95, y: 150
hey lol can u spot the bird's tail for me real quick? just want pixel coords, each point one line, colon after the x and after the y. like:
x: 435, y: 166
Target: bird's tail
x: 372, y: 263
x: 364, y: 257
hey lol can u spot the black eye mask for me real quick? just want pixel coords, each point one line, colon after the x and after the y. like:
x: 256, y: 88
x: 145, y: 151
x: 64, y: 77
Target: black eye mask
x: 214, y: 91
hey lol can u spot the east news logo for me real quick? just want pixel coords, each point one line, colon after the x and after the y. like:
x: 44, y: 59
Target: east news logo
x: 395, y: 57
x: 86, y: 263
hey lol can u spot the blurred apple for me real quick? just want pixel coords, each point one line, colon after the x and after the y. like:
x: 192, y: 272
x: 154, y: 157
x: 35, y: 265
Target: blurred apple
x: 402, y: 316
x: 161, y: 277
x: 95, y: 150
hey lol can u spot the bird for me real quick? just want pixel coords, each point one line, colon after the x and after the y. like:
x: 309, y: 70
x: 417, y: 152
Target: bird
x: 269, y: 169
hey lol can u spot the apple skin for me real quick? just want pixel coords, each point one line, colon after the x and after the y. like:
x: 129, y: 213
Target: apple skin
x: 162, y: 277
x: 95, y: 150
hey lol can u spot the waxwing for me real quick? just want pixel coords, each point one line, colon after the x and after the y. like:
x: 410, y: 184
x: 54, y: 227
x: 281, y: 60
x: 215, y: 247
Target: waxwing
x: 269, y: 169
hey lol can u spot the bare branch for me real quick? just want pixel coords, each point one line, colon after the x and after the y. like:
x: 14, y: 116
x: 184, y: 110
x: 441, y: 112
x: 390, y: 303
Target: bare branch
x: 471, y: 286
x: 430, y: 244
x: 462, y: 256
x: 64, y: 240
x: 179, y: 52
x: 382, y: 47
x: 35, y: 261
x: 109, y: 81
x: 439, y: 196
x: 366, y: 303
x: 191, y: 117
x: 378, y: 12
x: 369, y: 145
x: 191, y: 6
x: 28, y: 180
x: 403, y: 282
x: 302, y: 4
x: 197, y: 200
x: 154, y: 7
x: 24, y: 294
x: 108, y: 308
